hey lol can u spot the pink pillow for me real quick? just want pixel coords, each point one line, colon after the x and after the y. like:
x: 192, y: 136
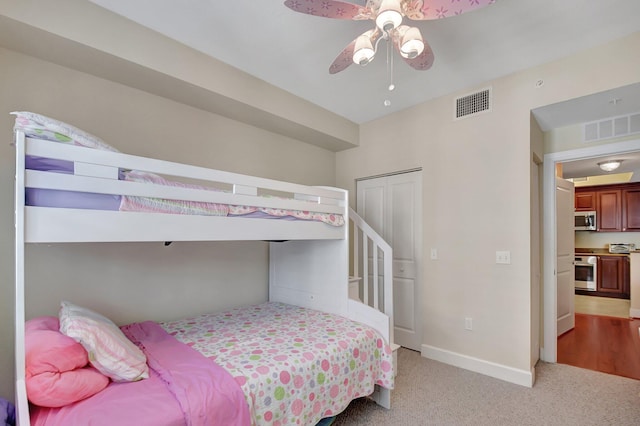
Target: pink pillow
x: 55, y: 366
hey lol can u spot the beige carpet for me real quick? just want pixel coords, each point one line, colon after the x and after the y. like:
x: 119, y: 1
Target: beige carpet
x: 431, y: 393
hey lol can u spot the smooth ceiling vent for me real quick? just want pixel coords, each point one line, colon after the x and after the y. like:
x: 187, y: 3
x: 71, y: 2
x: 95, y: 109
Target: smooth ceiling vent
x: 473, y: 104
x: 613, y: 127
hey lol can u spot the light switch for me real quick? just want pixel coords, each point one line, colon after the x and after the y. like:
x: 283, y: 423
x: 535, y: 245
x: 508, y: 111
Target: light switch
x: 434, y: 254
x: 503, y: 257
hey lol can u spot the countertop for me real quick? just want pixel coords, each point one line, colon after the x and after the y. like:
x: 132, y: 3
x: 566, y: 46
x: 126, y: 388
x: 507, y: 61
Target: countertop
x: 600, y: 252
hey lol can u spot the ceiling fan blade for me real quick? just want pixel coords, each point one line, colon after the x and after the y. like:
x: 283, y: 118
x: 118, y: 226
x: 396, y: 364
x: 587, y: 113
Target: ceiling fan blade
x: 345, y: 58
x: 330, y: 9
x: 423, y: 10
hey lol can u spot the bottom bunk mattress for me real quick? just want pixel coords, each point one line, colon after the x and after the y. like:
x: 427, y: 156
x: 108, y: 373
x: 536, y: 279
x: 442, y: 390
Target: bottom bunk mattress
x: 294, y: 366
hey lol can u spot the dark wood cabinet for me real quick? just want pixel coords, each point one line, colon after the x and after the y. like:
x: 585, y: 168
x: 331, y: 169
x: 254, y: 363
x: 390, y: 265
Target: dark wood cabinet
x: 609, y: 210
x: 626, y: 276
x: 617, y: 206
x: 631, y: 209
x: 585, y: 201
x: 613, y: 275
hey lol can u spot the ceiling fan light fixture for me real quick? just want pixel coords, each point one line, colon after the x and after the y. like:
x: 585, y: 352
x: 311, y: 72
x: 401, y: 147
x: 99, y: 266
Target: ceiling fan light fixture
x: 411, y: 43
x: 609, y: 165
x: 389, y: 15
x: 363, y: 52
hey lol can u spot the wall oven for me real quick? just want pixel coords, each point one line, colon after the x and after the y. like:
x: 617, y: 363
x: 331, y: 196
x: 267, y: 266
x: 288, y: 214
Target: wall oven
x: 586, y: 272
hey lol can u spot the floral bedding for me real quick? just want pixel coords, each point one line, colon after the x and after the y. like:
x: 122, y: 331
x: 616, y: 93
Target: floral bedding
x: 295, y: 365
x: 157, y: 205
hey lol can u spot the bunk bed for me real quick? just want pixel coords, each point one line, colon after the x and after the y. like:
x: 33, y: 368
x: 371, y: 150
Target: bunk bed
x: 73, y: 187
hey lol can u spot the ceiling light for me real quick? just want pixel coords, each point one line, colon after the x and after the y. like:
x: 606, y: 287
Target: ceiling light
x: 389, y: 15
x: 411, y: 43
x: 609, y: 165
x: 363, y: 51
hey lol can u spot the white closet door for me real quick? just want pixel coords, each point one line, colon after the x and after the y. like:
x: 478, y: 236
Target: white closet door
x: 392, y: 205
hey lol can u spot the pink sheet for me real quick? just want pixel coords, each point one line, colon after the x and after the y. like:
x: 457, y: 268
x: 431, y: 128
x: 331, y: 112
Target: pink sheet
x: 184, y: 388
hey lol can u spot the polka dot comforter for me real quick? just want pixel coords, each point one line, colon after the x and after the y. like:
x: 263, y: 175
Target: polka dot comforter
x: 295, y: 365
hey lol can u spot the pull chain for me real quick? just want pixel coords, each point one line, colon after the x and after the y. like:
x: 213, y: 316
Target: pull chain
x: 387, y: 102
x: 390, y: 63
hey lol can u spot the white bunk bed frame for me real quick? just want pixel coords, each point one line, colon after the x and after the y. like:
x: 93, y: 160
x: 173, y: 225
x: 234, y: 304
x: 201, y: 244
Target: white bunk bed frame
x: 310, y: 269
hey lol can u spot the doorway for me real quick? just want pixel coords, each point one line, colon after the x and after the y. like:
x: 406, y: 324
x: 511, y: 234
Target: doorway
x: 392, y: 206
x: 550, y: 302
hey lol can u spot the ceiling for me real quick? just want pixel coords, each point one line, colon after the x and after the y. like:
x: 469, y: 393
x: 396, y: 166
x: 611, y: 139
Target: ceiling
x: 293, y: 51
x: 589, y: 168
x: 611, y: 103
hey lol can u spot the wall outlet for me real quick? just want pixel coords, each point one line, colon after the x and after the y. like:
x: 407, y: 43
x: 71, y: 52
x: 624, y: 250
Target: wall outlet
x: 468, y: 323
x: 503, y: 257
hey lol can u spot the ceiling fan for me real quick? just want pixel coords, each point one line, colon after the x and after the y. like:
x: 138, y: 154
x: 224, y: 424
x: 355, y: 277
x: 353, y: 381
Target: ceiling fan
x: 388, y: 15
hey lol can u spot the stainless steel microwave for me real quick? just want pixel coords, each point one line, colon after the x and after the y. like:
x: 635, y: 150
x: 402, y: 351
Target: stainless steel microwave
x: 585, y: 221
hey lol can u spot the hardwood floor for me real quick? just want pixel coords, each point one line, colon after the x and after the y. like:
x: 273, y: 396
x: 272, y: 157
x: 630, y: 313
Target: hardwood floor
x: 601, y: 343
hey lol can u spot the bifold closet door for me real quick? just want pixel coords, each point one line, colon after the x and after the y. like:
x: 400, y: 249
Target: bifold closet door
x: 392, y: 206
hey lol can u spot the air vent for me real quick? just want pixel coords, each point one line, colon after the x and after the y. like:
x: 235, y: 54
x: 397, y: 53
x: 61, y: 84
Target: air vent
x: 613, y: 127
x: 473, y: 104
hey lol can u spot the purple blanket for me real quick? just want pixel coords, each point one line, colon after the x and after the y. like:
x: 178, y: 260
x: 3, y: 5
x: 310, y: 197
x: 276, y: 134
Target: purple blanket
x: 184, y: 388
x: 7, y: 412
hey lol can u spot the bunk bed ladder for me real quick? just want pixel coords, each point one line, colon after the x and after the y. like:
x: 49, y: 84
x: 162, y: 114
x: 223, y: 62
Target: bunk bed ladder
x: 367, y: 246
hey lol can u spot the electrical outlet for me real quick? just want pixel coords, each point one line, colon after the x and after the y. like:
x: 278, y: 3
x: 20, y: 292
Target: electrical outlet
x: 434, y: 254
x: 503, y: 257
x: 468, y: 323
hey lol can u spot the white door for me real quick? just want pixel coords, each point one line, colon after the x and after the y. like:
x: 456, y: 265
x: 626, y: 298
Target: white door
x: 565, y: 252
x: 392, y: 206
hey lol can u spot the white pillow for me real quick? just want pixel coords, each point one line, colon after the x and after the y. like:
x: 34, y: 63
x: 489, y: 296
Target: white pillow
x: 43, y: 127
x: 110, y: 351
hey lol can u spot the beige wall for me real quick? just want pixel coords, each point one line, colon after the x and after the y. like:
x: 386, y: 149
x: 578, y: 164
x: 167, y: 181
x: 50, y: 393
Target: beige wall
x: 139, y: 280
x: 570, y: 137
x: 587, y: 239
x: 476, y: 198
x: 86, y: 37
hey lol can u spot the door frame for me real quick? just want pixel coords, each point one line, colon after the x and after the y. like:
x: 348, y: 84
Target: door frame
x: 548, y: 352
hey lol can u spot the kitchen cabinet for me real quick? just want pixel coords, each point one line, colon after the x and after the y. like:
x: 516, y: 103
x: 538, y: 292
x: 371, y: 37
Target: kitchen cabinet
x: 617, y: 206
x: 609, y: 210
x: 631, y: 209
x: 585, y: 201
x: 613, y: 275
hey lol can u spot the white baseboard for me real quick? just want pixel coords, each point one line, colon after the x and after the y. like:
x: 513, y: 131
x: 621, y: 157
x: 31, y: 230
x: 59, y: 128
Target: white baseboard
x: 502, y: 372
x: 634, y: 313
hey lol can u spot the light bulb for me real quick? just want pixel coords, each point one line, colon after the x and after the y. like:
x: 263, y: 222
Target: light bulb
x: 363, y: 51
x: 389, y: 15
x: 411, y: 43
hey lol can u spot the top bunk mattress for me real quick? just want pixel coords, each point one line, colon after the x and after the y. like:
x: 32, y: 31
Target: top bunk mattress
x: 37, y: 126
